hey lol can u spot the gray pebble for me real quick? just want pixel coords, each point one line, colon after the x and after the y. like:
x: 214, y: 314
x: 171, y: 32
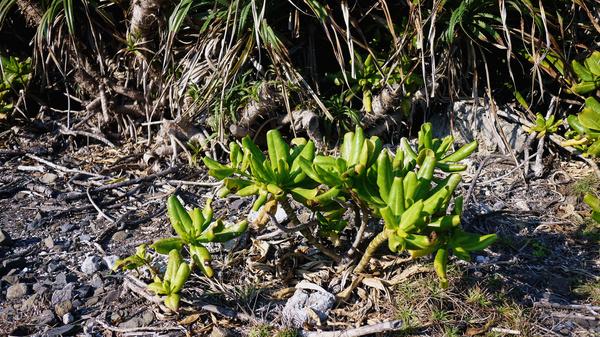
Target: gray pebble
x: 61, y: 295
x: 110, y: 261
x: 46, y: 317
x: 97, y: 282
x: 16, y: 291
x: 68, y: 318
x: 48, y: 178
x: 66, y: 227
x: 120, y: 236
x: 91, y: 264
x: 132, y: 323
x: 147, y: 317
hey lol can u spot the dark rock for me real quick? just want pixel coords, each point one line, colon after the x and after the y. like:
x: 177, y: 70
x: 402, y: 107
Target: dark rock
x: 15, y: 262
x: 53, y: 266
x: 46, y: 317
x: 61, y: 295
x: 63, y: 278
x: 132, y: 323
x: 91, y: 264
x: 83, y: 291
x: 60, y: 331
x: 63, y: 308
x: 66, y: 227
x: 16, y: 291
x: 77, y: 304
x: 5, y: 239
x: 120, y: 236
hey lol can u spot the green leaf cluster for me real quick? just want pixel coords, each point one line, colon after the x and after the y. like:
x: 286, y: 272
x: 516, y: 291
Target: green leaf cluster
x: 585, y: 129
x: 14, y: 75
x: 544, y: 126
x: 172, y: 283
x: 587, y: 73
x: 594, y: 203
x: 194, y: 229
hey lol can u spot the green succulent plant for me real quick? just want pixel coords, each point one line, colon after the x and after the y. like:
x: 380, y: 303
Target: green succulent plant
x: 594, y: 203
x: 585, y: 129
x: 416, y: 216
x: 194, y: 229
x: 544, y: 126
x: 249, y: 172
x: 446, y: 159
x: 172, y: 282
x: 139, y: 259
x: 588, y: 74
x: 400, y: 188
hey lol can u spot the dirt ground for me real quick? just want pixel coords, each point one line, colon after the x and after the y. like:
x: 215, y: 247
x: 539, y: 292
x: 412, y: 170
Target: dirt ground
x: 70, y: 210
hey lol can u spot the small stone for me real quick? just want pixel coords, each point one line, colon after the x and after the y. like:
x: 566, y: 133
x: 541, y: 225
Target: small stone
x: 110, y: 261
x: 68, y: 318
x: 62, y: 279
x: 16, y: 291
x: 84, y: 238
x: 294, y: 312
x: 46, y: 317
x: 66, y: 227
x: 49, y: 242
x: 53, y: 266
x: 39, y: 288
x: 120, y: 236
x: 11, y: 279
x: 92, y: 301
x: 5, y: 239
x: 147, y: 317
x: 97, y: 282
x: 83, y: 291
x: 219, y: 332
x: 48, y: 178
x: 132, y: 323
x: 91, y: 264
x: 63, y: 308
x: 61, y: 295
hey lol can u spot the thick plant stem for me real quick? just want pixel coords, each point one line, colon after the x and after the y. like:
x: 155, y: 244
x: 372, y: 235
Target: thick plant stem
x: 371, y: 248
x: 285, y: 204
x: 361, y: 215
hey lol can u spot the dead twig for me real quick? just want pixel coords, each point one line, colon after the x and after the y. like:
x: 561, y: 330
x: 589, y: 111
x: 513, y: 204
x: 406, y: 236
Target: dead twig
x: 62, y: 168
x: 104, y: 215
x: 63, y: 130
x: 124, y: 183
x: 355, y: 332
x: 107, y: 326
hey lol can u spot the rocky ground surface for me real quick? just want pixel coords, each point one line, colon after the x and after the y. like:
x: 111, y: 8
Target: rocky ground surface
x: 68, y: 211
